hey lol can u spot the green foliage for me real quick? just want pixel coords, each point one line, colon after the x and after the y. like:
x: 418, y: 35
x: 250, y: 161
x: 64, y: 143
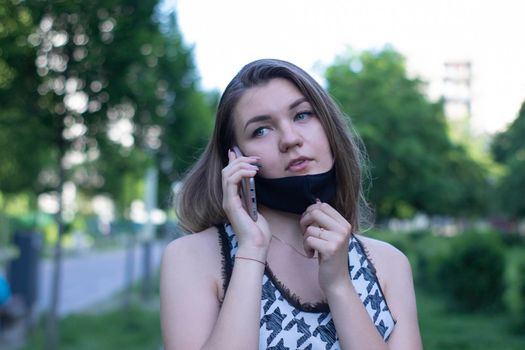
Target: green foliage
x: 471, y: 276
x: 126, y: 67
x: 425, y: 251
x: 508, y: 148
x: 442, y: 328
x: 405, y: 242
x: 414, y: 165
x: 432, y: 252
x: 20, y: 135
x: 510, y: 197
x: 450, y: 270
x: 514, y: 296
x: 189, y: 119
x: 508, y: 142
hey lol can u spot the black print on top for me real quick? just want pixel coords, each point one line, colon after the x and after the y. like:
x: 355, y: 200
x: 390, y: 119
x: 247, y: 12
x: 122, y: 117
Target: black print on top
x: 285, y: 326
x: 302, y: 327
x: 327, y: 333
x: 268, y: 296
x: 279, y: 346
x: 274, y: 324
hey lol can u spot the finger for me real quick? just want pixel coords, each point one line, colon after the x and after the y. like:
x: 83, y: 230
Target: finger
x: 317, y: 232
x: 233, y: 159
x: 232, y: 181
x: 322, y: 247
x: 324, y: 215
x: 331, y: 211
x: 308, y: 249
x: 310, y: 252
x: 243, y: 161
x: 318, y: 218
x: 235, y: 177
x: 237, y: 164
x: 325, y: 207
x: 231, y: 155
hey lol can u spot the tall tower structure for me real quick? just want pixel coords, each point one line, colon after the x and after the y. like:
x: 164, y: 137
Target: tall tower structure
x: 457, y: 89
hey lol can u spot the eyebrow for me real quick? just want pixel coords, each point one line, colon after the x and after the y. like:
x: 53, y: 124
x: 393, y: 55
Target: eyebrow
x: 261, y: 118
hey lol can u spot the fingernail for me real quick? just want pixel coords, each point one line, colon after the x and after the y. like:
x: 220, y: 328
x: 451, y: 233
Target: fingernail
x: 317, y: 200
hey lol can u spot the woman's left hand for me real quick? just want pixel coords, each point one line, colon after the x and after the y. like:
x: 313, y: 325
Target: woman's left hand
x: 327, y: 232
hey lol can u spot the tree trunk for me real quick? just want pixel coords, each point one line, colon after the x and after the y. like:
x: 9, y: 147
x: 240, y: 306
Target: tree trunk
x: 148, y: 233
x: 130, y: 269
x: 52, y: 329
x: 147, y: 283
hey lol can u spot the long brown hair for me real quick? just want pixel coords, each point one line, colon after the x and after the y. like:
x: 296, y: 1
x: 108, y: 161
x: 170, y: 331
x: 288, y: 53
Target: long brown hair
x: 199, y: 201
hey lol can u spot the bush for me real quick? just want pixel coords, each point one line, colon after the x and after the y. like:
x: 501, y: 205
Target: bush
x: 432, y: 252
x: 424, y: 251
x: 513, y: 239
x: 472, y: 275
x: 404, y: 241
x: 514, y: 297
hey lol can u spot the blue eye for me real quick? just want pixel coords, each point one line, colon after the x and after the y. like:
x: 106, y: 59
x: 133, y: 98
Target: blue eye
x: 303, y: 115
x: 260, y: 132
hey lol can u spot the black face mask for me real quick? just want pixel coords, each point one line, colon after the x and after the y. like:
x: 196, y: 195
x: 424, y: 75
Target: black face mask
x: 295, y: 193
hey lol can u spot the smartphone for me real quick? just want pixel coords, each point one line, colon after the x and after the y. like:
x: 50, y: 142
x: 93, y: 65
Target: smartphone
x: 247, y: 191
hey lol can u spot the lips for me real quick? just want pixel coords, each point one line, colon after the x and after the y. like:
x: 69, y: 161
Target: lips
x: 298, y: 164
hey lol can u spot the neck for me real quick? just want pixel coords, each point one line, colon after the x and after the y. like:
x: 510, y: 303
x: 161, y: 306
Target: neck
x: 282, y: 224
x: 286, y: 232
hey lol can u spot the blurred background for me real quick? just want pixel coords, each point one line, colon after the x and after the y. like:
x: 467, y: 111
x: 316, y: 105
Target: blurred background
x: 105, y: 104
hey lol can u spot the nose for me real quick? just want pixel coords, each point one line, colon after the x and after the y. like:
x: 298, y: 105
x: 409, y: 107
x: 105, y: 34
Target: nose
x: 290, y: 137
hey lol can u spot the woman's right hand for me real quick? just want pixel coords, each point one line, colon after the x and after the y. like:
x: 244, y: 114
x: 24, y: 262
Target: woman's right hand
x: 253, y: 236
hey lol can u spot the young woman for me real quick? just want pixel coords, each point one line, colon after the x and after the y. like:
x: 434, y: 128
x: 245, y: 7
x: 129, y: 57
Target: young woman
x: 298, y: 276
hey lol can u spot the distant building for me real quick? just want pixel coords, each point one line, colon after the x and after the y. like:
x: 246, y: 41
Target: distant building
x: 457, y: 89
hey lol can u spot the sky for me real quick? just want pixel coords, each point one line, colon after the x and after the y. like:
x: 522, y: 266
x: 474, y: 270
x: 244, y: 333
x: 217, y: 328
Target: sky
x: 227, y: 34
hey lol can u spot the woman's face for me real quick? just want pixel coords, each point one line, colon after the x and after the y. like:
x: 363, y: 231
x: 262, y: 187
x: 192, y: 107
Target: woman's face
x: 276, y: 122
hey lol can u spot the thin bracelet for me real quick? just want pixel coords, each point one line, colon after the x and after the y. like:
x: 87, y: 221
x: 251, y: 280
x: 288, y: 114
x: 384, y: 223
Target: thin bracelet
x: 242, y: 257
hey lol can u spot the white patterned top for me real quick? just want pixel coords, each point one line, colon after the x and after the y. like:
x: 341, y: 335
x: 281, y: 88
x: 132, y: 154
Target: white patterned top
x: 288, y: 324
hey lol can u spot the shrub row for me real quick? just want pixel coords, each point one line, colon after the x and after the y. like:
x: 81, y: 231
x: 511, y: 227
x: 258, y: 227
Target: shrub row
x: 514, y: 296
x: 474, y: 271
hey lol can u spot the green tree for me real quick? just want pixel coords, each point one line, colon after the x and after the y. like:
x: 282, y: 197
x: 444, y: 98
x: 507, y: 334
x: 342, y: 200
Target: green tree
x: 91, y: 85
x: 507, y: 143
x: 184, y: 118
x: 99, y: 67
x: 85, y: 52
x: 414, y: 165
x: 172, y: 117
x: 20, y: 135
x: 508, y: 149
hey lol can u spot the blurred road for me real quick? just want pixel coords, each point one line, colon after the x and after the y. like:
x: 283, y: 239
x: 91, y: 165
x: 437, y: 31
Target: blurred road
x: 91, y: 277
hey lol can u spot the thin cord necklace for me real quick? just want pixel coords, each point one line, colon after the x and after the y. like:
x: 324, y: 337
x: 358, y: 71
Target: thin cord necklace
x: 295, y: 249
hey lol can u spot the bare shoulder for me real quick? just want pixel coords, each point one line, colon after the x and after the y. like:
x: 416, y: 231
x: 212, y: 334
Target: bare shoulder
x: 390, y: 262
x: 382, y: 250
x: 189, y: 281
x: 194, y: 243
x: 201, y: 248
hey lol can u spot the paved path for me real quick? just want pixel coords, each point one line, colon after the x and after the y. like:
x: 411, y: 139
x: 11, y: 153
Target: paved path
x: 92, y: 277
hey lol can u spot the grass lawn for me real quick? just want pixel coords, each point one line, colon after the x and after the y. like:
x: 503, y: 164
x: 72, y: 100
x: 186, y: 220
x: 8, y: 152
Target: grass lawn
x: 442, y: 329
x: 137, y: 329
